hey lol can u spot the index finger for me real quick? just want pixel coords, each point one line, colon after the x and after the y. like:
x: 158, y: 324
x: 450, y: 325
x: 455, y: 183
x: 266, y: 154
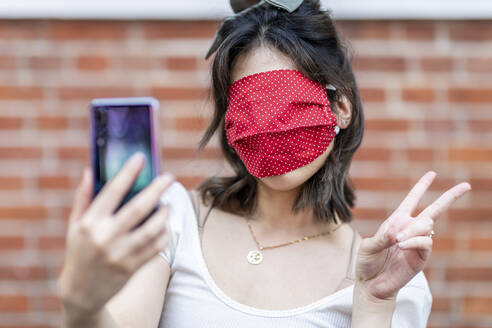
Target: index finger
x: 113, y: 192
x: 411, y: 201
x: 444, y: 202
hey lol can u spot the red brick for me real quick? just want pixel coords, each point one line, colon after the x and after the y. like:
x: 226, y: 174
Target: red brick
x: 70, y: 153
x: 88, y: 30
x: 191, y: 123
x: 10, y: 183
x: 385, y: 125
x: 480, y: 125
x: 11, y: 242
x: 369, y: 213
x: 470, y: 215
x: 38, y: 62
x: 180, y: 29
x: 54, y: 182
x: 417, y: 95
x: 20, y: 152
x: 22, y: 273
x: 478, y: 305
x: 420, y: 154
x: 87, y: 93
x: 22, y: 212
x: 51, y: 242
x: 443, y: 243
x: 13, y: 303
x: 436, y: 64
x: 396, y: 64
x: 20, y: 29
x: 190, y: 182
x: 479, y: 184
x: 95, y: 63
x: 470, y: 154
x: 372, y: 154
x: 23, y: 93
x: 441, y: 304
x: 10, y: 123
x: 480, y: 243
x: 420, y: 30
x: 470, y: 31
x: 366, y: 30
x: 382, y: 184
x: 176, y: 93
x: 440, y: 184
x: 479, y: 65
x: 181, y: 63
x: 469, y: 274
x: 52, y: 123
x: 372, y: 94
x: 465, y: 95
x: 7, y: 62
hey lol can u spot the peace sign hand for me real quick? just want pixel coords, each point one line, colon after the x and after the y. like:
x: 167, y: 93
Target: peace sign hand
x: 402, y: 245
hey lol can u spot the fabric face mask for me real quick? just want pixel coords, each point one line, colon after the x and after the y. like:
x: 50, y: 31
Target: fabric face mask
x: 278, y: 121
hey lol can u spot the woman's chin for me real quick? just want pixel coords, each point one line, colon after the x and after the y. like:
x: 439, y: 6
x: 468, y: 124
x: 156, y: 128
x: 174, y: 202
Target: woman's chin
x: 284, y: 182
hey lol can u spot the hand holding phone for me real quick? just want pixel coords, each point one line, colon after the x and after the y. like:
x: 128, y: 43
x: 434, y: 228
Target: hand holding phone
x: 103, y: 251
x: 116, y: 223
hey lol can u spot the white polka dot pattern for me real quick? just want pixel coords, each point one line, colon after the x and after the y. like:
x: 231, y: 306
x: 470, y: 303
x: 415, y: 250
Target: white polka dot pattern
x: 278, y: 121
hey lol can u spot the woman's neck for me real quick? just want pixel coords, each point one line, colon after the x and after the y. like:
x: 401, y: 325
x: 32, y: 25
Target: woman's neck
x: 274, y: 212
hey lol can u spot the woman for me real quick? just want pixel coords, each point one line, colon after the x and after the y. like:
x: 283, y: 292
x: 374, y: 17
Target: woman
x: 273, y: 245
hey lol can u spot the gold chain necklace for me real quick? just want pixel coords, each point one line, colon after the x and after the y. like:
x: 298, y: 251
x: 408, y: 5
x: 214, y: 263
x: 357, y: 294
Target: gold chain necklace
x: 256, y: 256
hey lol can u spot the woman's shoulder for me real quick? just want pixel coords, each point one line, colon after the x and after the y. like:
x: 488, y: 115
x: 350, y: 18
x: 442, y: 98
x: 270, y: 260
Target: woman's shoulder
x: 179, y: 220
x: 415, y: 296
x: 176, y: 193
x: 413, y: 303
x: 177, y: 197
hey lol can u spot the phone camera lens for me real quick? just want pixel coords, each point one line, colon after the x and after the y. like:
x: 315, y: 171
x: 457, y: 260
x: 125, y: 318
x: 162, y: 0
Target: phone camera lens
x: 100, y: 142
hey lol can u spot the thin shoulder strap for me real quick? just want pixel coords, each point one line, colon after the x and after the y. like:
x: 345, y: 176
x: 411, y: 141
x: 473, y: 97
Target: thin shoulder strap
x: 195, y: 199
x: 352, y: 253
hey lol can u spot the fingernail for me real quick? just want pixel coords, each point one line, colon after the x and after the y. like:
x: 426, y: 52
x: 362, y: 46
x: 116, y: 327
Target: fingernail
x: 167, y: 177
x: 137, y: 158
x: 402, y: 244
x: 399, y: 236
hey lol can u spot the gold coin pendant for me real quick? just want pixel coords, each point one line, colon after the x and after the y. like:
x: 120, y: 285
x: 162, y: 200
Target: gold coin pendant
x: 255, y: 257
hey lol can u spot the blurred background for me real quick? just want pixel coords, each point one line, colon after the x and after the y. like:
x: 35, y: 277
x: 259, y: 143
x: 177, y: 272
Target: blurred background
x: 424, y: 69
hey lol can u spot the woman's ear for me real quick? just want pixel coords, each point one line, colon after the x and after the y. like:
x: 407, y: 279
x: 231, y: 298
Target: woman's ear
x: 344, y: 111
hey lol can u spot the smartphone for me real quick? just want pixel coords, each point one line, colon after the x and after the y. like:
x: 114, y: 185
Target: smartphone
x: 120, y: 127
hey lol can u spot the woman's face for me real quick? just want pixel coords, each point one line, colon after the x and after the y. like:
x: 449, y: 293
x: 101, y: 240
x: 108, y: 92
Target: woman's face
x: 266, y: 59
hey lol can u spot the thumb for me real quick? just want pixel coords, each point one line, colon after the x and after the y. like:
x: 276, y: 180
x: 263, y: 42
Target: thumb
x: 385, y: 237
x: 82, y: 197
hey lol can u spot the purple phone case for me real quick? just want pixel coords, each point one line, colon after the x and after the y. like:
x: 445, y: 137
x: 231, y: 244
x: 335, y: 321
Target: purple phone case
x: 137, y: 124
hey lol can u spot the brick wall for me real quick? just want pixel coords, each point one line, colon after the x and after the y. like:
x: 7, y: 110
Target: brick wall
x: 427, y: 93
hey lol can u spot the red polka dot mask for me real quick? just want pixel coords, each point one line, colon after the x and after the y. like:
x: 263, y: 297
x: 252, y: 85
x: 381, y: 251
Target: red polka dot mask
x: 278, y: 121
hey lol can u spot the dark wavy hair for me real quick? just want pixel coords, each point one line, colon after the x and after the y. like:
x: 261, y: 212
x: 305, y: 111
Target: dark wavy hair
x: 309, y: 37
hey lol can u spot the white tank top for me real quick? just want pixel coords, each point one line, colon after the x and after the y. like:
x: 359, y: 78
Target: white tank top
x: 194, y: 300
